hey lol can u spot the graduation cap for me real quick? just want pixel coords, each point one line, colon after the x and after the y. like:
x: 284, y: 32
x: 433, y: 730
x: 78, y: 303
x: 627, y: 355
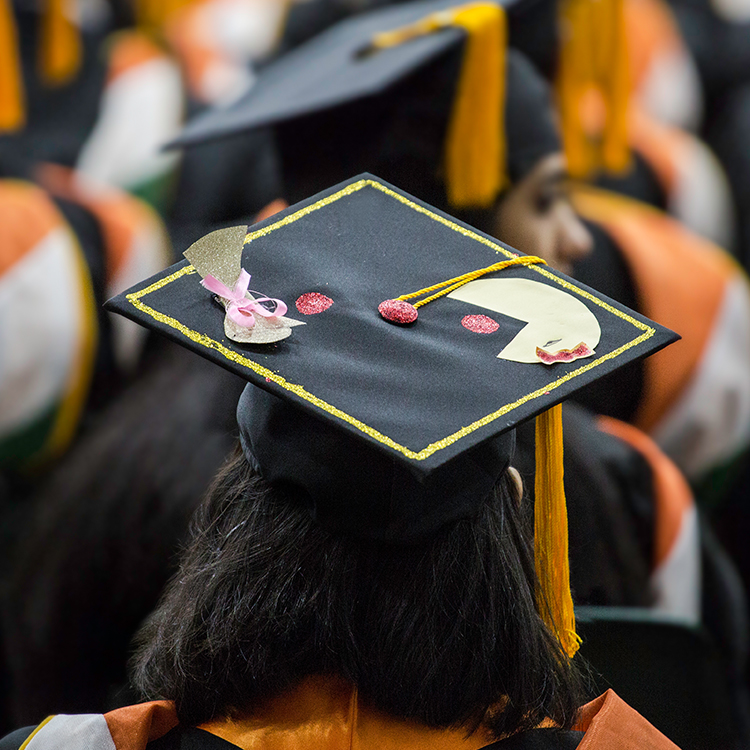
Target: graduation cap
x: 395, y: 349
x: 580, y: 44
x: 366, y: 58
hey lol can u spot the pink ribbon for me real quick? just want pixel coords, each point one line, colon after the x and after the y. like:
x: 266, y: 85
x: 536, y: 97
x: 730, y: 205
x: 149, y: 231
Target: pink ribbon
x: 240, y: 308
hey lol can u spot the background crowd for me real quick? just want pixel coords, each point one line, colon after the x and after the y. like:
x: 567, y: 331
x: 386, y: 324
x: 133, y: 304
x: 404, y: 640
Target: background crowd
x: 626, y: 164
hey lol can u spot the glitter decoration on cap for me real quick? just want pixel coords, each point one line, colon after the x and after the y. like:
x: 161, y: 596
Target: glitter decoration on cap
x: 313, y: 303
x: 479, y: 324
x: 249, y: 320
x: 398, y: 311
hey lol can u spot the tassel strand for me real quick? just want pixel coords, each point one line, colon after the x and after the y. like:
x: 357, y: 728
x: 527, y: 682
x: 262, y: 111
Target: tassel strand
x: 12, y: 104
x: 551, y: 532
x: 475, y: 146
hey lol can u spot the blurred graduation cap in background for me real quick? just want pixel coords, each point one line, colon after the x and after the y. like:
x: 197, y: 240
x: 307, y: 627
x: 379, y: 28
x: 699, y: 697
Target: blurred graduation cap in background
x: 422, y: 86
x: 416, y: 92
x: 424, y: 344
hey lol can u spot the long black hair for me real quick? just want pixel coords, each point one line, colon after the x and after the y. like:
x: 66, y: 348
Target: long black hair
x: 445, y: 632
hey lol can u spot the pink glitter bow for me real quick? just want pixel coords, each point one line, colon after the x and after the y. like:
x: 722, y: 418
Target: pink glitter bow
x: 240, y: 308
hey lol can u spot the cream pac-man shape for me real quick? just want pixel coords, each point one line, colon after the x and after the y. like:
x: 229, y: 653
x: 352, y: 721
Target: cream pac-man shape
x: 555, y: 320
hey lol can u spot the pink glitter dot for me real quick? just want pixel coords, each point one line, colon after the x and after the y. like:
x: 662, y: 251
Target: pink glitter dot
x: 479, y: 324
x: 313, y: 303
x: 398, y: 311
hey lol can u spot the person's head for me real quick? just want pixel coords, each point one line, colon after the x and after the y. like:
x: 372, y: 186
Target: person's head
x: 537, y: 217
x: 534, y: 213
x: 444, y: 631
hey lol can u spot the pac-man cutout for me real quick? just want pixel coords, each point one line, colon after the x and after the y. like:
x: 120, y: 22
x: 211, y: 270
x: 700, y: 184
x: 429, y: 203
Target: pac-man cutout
x: 555, y: 319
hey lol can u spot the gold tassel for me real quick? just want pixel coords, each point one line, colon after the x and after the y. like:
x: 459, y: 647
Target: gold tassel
x: 615, y: 150
x: 475, y: 148
x: 153, y: 15
x: 574, y: 74
x: 551, y: 532
x: 475, y: 143
x: 12, y: 109
x: 60, y: 48
x: 150, y: 14
x: 593, y: 71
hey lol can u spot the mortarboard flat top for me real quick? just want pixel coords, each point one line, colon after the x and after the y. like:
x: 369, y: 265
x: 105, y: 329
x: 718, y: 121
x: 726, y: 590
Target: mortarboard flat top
x: 331, y: 70
x: 421, y: 393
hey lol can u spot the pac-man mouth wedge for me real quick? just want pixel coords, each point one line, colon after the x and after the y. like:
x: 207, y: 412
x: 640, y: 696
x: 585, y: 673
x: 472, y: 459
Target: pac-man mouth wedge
x: 394, y: 428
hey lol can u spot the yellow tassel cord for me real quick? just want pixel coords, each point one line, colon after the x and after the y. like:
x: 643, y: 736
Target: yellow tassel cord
x: 12, y: 109
x: 153, y: 15
x: 60, y: 48
x: 448, y: 286
x: 551, y: 532
x: 475, y: 148
x: 593, y: 87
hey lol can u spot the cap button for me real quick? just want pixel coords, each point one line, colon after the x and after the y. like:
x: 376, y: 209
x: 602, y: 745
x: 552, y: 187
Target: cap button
x: 398, y: 311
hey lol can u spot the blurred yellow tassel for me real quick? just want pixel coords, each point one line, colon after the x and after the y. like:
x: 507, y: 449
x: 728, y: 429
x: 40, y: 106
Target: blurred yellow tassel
x: 12, y: 114
x: 60, y: 48
x: 153, y: 15
x: 593, y: 71
x: 475, y: 144
x: 475, y: 148
x: 551, y: 532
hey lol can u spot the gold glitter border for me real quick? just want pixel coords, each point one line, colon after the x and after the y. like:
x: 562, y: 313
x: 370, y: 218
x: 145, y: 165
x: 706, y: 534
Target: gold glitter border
x: 135, y: 299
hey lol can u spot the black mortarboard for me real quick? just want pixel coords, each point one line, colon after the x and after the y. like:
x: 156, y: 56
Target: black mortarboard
x: 416, y: 393
x: 416, y: 92
x: 334, y: 68
x: 393, y: 430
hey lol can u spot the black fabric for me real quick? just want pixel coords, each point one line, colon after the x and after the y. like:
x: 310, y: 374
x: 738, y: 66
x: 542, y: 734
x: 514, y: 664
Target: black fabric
x: 727, y: 134
x: 619, y: 393
x: 14, y: 740
x: 223, y: 183
x: 59, y: 118
x: 533, y: 30
x: 352, y: 489
x: 540, y: 739
x: 88, y: 232
x: 190, y: 738
x: 611, y: 504
x: 330, y: 70
x: 639, y: 182
x: 401, y: 136
x: 529, y: 118
x: 532, y: 26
